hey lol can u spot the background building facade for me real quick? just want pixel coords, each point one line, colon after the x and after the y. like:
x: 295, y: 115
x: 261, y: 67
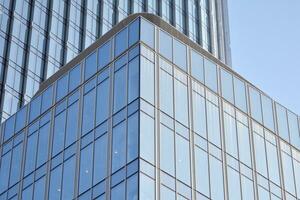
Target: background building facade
x: 157, y: 117
x: 37, y: 37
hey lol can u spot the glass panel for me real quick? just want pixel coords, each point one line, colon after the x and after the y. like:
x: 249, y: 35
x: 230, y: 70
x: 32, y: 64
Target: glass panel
x: 255, y: 104
x: 240, y: 94
x: 118, y: 192
x: 27, y: 193
x: 4, y: 171
x: 166, y: 193
x: 120, y: 89
x: 21, y: 118
x: 59, y: 133
x: 267, y: 112
x: 61, y: 88
x: 100, y: 159
x: 86, y: 168
x: 132, y: 188
x: 147, y: 187
x: 16, y: 162
x: 216, y: 178
x: 39, y: 189
x: 181, y: 103
x: 55, y: 183
x: 147, y: 137
x: 227, y: 86
x: 182, y: 160
x: 260, y: 155
x: 211, y: 75
x: 90, y: 67
x: 147, y: 80
x: 9, y: 128
x: 133, y: 137
x: 201, y: 169
x: 234, y: 187
x: 119, y: 146
x: 213, y: 125
x: 88, y: 112
x: 244, y: 144
x: 104, y: 54
x: 294, y: 129
x: 43, y: 145
x: 247, y: 189
x: 133, y: 79
x: 287, y: 166
x: 165, y: 45
x: 75, y: 78
x: 69, y: 179
x: 47, y: 99
x: 230, y: 135
x: 273, y: 163
x: 35, y: 108
x: 199, y: 116
x: 134, y: 32
x: 147, y: 33
x: 297, y: 174
x: 197, y: 66
x: 167, y: 150
x: 102, y: 108
x: 282, y: 122
x: 31, y: 153
x: 72, y: 124
x: 179, y: 50
x: 121, y: 42
x: 166, y: 93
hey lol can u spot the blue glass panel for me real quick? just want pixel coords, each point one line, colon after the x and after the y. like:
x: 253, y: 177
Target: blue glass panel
x: 55, y: 183
x: 88, y: 113
x: 181, y: 102
x: 199, y: 116
x: 202, y: 171
x: 21, y: 118
x: 9, y: 128
x: 72, y: 124
x: 39, y: 189
x: 132, y: 138
x: 35, y: 108
x: 68, y: 179
x: 118, y: 192
x: 211, y: 75
x: 121, y: 42
x: 47, y: 99
x: 166, y: 92
x: 27, y: 193
x: 134, y: 32
x: 16, y: 161
x: 86, y: 168
x: 165, y: 45
x: 147, y: 80
x: 167, y: 150
x: 43, y: 145
x: 147, y: 136
x: 62, y: 87
x: 255, y: 104
x: 104, y: 54
x: 59, y: 133
x: 133, y: 79
x: 31, y: 153
x: 182, y: 160
x: 120, y: 89
x: 75, y: 77
x: 216, y: 178
x: 90, y: 67
x: 179, y: 54
x: 197, y: 66
x: 119, y: 146
x: 147, y: 33
x: 132, y: 187
x: 102, y: 104
x: 100, y: 159
x: 4, y: 171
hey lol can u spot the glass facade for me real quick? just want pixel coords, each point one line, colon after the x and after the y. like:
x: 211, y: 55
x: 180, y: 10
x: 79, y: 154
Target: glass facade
x: 130, y: 120
x: 38, y: 37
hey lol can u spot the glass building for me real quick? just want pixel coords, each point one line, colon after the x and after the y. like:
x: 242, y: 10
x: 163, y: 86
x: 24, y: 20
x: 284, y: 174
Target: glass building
x: 37, y: 37
x: 146, y: 113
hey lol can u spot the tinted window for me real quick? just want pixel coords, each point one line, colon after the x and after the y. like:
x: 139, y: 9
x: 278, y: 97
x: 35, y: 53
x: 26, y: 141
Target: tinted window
x: 181, y: 102
x: 227, y: 86
x: 104, y: 54
x: 35, y: 108
x: 166, y: 92
x: 133, y: 79
x: 132, y: 138
x: 86, y: 166
x: 75, y: 78
x: 9, y: 128
x: 90, y: 66
x: 165, y: 45
x: 147, y: 138
x: 119, y: 146
x: 240, y: 94
x: 282, y: 122
x: 61, y: 87
x: 59, y: 133
x: 134, y: 32
x: 100, y: 158
x: 102, y: 107
x: 179, y: 54
x: 267, y: 109
x: 147, y: 33
x: 72, y: 124
x: 121, y: 42
x: 21, y: 118
x: 88, y: 113
x: 147, y: 80
x: 47, y: 99
x: 255, y: 104
x: 211, y: 75
x: 197, y: 69
x: 167, y: 150
x: 119, y: 89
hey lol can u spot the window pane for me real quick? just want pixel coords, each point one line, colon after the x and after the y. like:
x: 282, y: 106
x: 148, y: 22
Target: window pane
x: 121, y: 42
x: 104, y: 54
x: 282, y: 122
x: 31, y: 153
x: 166, y: 93
x: 72, y: 124
x: 166, y: 193
x: 147, y: 138
x: 147, y: 80
x: 102, y: 108
x: 179, y: 54
x: 216, y: 178
x: 260, y: 155
x: 90, y: 67
x: 294, y: 129
x: 35, y: 108
x: 267, y: 112
x: 147, y: 33
x: 197, y: 65
x: 47, y: 99
x: 86, y: 168
x: 133, y: 131
x: 244, y: 144
x: 39, y: 189
x: 118, y: 192
x: 211, y: 75
x: 181, y: 103
x: 182, y: 160
x: 165, y: 45
x: 75, y: 78
x: 100, y: 159
x: 201, y: 169
x: 227, y: 86
x: 21, y: 118
x: 167, y: 150
x: 230, y: 135
x: 134, y: 32
x: 147, y: 187
x: 119, y: 146
x: 9, y: 128
x: 133, y: 79
x: 119, y: 89
x: 240, y: 94
x: 59, y: 133
x: 213, y: 125
x: 44, y: 134
x: 297, y: 174
x: 61, y: 87
x: 55, y: 183
x: 233, y: 184
x: 273, y: 163
x: 69, y: 179
x: 16, y: 161
x: 4, y: 171
x: 199, y: 116
x: 132, y: 188
x: 247, y: 189
x: 88, y: 113
x: 287, y: 167
x: 255, y: 104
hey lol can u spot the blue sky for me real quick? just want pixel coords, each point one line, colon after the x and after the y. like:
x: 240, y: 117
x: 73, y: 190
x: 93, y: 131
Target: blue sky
x: 265, y: 44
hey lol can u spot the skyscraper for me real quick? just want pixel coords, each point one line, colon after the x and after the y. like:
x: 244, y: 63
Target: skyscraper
x: 37, y: 37
x: 146, y: 113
